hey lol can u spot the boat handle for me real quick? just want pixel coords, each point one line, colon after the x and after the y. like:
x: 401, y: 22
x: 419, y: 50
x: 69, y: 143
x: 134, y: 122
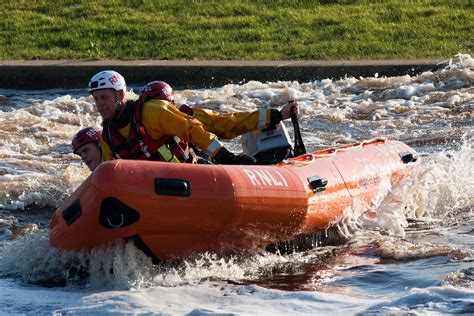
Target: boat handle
x: 407, y: 157
x: 173, y: 187
x: 119, y: 225
x: 317, y: 183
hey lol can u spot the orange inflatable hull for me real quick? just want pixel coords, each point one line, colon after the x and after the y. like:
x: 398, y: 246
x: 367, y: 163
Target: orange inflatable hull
x: 176, y: 209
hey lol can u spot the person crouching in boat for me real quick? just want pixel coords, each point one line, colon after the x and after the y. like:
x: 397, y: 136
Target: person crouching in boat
x: 147, y: 129
x: 225, y: 126
x: 230, y: 125
x: 86, y: 144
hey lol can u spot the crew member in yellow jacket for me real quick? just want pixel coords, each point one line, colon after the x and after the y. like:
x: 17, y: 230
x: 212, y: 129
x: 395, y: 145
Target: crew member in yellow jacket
x: 146, y: 131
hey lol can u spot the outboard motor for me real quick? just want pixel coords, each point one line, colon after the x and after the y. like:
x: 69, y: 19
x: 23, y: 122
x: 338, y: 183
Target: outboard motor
x: 268, y: 146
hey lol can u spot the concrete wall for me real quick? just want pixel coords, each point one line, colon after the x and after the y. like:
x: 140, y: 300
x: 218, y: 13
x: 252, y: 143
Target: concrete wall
x: 42, y: 74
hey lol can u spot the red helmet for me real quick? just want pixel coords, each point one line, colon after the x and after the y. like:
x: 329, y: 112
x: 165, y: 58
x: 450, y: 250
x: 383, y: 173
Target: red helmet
x: 85, y: 136
x: 158, y: 90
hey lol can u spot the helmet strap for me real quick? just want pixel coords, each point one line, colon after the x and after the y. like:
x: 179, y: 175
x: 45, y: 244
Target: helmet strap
x: 118, y: 105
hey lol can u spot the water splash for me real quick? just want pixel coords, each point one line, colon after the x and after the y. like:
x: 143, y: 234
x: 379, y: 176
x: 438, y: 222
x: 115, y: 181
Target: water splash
x: 463, y: 278
x: 30, y: 259
x: 390, y: 247
x: 440, y: 184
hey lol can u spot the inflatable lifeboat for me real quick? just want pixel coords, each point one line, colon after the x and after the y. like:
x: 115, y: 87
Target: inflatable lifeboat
x: 172, y: 210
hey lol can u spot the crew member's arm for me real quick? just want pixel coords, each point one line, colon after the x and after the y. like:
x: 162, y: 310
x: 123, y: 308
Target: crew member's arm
x: 231, y: 125
x: 161, y: 118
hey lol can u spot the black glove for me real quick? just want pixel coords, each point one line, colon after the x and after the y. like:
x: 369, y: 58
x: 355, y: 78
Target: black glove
x: 225, y: 157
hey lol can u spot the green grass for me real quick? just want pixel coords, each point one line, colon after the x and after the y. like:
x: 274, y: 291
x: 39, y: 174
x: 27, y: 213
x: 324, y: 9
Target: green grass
x: 241, y: 30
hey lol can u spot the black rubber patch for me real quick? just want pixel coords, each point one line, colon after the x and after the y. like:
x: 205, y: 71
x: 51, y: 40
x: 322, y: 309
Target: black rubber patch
x: 140, y: 244
x: 72, y: 212
x: 115, y: 214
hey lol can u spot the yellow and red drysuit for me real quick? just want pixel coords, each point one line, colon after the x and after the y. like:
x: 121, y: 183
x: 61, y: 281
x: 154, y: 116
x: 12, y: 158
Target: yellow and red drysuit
x: 161, y: 118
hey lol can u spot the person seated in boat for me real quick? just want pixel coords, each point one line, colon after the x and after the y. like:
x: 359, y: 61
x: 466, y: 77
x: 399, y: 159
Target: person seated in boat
x: 86, y: 144
x: 225, y: 126
x: 147, y: 129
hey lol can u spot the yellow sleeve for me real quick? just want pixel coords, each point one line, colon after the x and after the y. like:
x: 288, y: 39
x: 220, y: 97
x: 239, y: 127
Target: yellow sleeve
x: 231, y: 125
x: 161, y: 118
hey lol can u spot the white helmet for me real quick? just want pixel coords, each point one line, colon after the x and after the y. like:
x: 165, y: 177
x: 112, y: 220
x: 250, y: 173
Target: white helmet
x: 107, y: 79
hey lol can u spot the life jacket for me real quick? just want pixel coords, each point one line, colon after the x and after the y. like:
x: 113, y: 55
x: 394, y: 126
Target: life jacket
x: 141, y: 146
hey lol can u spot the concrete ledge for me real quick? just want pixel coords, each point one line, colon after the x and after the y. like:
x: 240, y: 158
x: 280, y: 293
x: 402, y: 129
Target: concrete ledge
x: 48, y: 74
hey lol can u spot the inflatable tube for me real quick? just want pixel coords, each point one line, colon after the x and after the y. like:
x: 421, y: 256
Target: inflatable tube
x: 172, y: 210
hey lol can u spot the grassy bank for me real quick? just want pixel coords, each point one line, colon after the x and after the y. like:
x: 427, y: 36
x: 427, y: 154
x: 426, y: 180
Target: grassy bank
x: 242, y: 30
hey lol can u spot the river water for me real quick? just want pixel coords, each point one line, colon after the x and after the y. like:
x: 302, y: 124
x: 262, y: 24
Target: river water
x: 416, y: 256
